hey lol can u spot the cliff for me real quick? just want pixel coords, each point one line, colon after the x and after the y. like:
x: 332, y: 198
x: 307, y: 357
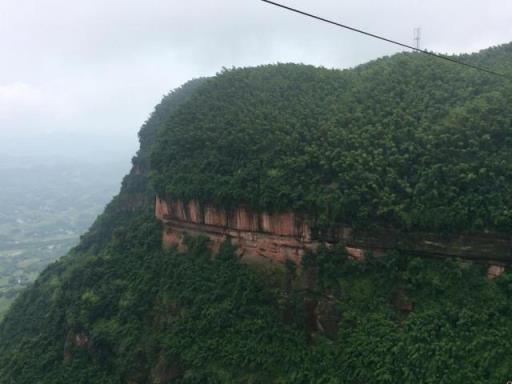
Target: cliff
x: 287, y: 236
x: 414, y: 152
x: 276, y: 237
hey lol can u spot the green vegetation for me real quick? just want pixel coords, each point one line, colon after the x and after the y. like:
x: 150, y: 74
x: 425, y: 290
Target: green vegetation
x: 150, y: 315
x: 44, y: 207
x: 401, y: 141
x: 406, y: 141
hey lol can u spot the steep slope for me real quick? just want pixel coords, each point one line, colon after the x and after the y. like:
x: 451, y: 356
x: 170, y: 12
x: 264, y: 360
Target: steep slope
x: 136, y: 195
x: 402, y: 141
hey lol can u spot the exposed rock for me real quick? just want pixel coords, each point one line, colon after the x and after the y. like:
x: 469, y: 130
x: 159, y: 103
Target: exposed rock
x: 355, y: 253
x: 74, y: 340
x: 494, y: 271
x: 137, y: 169
x: 287, y: 236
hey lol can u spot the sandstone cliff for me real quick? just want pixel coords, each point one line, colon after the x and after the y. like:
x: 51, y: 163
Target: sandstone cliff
x: 287, y: 236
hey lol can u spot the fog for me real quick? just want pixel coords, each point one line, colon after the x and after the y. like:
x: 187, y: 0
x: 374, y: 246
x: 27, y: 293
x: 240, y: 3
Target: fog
x: 78, y: 78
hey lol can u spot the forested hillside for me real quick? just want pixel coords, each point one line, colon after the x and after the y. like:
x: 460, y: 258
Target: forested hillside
x: 408, y: 141
x: 403, y: 141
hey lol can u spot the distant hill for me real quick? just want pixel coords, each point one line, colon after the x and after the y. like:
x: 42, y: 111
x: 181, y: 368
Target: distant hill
x: 405, y: 141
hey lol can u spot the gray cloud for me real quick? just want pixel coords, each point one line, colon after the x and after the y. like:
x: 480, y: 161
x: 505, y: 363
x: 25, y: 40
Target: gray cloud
x: 96, y: 68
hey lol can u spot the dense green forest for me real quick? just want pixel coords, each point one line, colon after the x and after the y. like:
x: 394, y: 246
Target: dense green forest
x: 402, y: 141
x: 407, y: 141
x: 150, y: 316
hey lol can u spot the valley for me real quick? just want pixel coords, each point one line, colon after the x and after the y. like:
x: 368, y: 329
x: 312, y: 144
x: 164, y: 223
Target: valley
x: 45, y: 205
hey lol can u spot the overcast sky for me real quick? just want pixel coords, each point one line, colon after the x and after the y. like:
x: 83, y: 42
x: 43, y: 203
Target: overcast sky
x: 76, y: 74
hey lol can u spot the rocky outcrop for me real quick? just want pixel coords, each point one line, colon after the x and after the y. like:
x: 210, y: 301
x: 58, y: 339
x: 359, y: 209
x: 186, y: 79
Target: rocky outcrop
x: 495, y: 271
x: 278, y: 237
x: 275, y: 237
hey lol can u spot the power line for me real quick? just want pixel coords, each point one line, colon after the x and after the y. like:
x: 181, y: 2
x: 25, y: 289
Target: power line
x: 417, y: 49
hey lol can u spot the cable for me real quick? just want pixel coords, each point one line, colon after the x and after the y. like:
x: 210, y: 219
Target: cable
x: 489, y: 71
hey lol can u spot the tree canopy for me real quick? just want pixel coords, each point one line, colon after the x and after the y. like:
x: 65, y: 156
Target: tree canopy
x: 406, y: 141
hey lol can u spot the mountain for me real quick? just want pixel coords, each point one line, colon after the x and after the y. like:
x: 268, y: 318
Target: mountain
x: 404, y: 142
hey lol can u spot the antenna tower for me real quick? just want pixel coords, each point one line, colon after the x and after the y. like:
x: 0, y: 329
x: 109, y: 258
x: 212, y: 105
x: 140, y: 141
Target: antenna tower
x: 417, y: 37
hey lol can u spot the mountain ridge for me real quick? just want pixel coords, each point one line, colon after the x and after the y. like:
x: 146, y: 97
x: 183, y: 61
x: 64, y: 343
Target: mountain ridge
x: 119, y: 309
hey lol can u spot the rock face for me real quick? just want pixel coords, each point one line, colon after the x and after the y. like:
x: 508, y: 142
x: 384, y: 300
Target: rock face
x: 278, y: 237
x: 275, y: 237
x: 495, y: 271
